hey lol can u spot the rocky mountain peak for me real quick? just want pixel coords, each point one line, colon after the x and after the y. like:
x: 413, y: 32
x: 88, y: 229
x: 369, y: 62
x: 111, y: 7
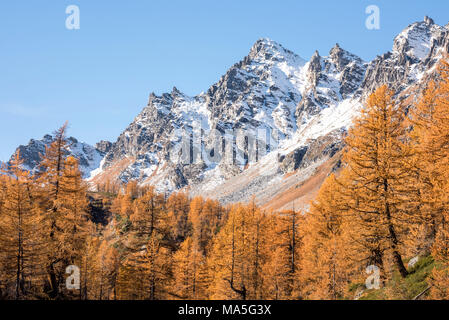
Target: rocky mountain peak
x: 266, y: 49
x: 330, y: 80
x: 175, y: 92
x: 151, y: 98
x: 162, y: 103
x: 72, y: 140
x: 314, y: 69
x: 89, y: 157
x: 335, y: 48
x: 103, y: 146
x: 264, y: 45
x: 428, y: 20
x: 165, y: 98
x: 341, y: 58
x: 415, y: 41
x: 315, y: 62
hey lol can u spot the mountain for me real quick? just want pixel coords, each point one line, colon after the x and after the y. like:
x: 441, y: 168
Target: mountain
x: 89, y: 157
x: 272, y: 90
x: 416, y: 50
x: 272, y: 126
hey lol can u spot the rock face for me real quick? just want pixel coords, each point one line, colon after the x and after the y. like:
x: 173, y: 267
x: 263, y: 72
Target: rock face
x: 88, y: 156
x: 415, y: 51
x: 324, y: 147
x: 103, y: 146
x: 331, y: 80
x: 31, y: 153
x: 272, y: 114
x: 292, y: 161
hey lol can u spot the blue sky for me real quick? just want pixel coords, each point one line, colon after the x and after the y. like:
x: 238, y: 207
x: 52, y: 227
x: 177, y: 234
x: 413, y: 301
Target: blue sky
x: 99, y: 77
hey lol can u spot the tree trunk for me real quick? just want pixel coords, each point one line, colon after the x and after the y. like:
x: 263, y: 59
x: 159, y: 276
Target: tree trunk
x: 393, y: 238
x: 54, y: 287
x: 396, y: 255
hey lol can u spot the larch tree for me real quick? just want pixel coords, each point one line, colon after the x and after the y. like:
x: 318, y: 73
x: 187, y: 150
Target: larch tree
x: 206, y: 217
x: 149, y: 255
x: 376, y: 157
x: 178, y: 207
x: 49, y: 178
x: 236, y: 260
x: 99, y: 270
x: 277, y: 269
x: 437, y: 148
x: 440, y: 251
x: 110, y: 264
x: 149, y: 217
x: 190, y: 277
x: 325, y: 265
x: 19, y: 239
x: 126, y: 204
x: 72, y: 208
x: 145, y: 274
x: 428, y: 182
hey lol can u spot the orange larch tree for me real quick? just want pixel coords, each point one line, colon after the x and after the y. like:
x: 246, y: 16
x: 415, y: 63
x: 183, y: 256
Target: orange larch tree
x: 376, y: 157
x: 325, y: 265
x: 19, y: 239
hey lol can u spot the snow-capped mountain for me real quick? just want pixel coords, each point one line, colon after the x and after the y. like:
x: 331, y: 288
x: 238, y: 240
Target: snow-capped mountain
x: 89, y: 157
x: 416, y: 50
x: 272, y: 90
x: 272, y: 126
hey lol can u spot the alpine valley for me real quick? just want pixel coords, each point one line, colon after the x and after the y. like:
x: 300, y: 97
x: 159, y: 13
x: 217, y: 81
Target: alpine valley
x: 306, y: 106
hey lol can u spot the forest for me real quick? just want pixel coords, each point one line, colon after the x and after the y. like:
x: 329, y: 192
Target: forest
x: 388, y: 203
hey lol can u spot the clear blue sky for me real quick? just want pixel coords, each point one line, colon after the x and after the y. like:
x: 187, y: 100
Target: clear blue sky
x: 99, y: 77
